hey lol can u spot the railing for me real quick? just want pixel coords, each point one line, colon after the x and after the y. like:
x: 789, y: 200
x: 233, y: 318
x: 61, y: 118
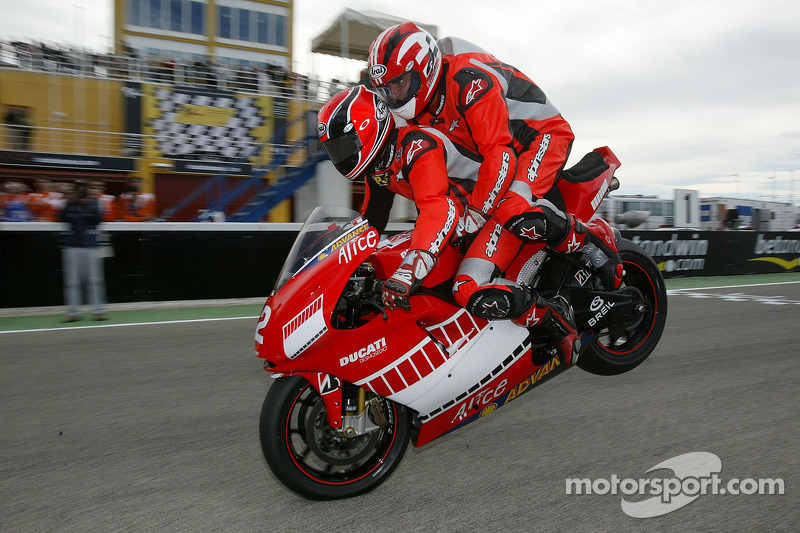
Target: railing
x: 221, y: 195
x: 68, y: 140
x: 269, y: 81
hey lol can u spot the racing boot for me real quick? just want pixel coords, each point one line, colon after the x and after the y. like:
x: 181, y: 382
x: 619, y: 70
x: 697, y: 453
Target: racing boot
x: 599, y: 243
x: 558, y: 319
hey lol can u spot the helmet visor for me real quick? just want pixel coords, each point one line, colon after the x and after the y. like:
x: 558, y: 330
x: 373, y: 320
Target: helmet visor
x: 400, y: 90
x: 344, y: 152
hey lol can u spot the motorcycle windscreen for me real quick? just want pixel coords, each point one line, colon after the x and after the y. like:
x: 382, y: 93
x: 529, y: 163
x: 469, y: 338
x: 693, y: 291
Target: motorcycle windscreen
x: 325, y: 226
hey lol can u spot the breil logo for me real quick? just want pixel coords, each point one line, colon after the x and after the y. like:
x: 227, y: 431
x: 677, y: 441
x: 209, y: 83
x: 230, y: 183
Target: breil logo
x: 367, y: 352
x: 599, y: 307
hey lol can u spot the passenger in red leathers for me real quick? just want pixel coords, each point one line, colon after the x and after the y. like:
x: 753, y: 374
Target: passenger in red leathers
x: 359, y: 134
x: 495, y: 110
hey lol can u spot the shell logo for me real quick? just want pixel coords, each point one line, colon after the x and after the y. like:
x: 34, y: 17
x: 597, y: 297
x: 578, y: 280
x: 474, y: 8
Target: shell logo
x: 489, y: 409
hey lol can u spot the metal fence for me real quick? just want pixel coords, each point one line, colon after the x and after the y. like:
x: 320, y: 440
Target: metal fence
x: 68, y: 141
x: 267, y: 81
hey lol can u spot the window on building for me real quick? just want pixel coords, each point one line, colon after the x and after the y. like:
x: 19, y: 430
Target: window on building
x: 155, y: 14
x: 134, y: 8
x: 280, y: 31
x: 244, y: 25
x: 176, y: 15
x: 262, y: 21
x: 198, y: 17
x: 225, y: 22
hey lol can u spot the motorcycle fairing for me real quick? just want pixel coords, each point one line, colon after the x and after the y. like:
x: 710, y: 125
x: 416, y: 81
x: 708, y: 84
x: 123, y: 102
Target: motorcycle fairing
x: 476, y: 356
x: 585, y: 185
x: 330, y: 390
x: 497, y: 390
x: 305, y: 302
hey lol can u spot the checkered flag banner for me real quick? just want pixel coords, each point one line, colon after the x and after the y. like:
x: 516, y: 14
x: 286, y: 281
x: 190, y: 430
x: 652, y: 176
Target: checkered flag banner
x: 188, y: 124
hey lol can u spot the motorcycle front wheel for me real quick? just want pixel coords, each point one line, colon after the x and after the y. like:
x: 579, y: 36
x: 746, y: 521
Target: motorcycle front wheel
x: 318, y: 462
x: 625, y: 346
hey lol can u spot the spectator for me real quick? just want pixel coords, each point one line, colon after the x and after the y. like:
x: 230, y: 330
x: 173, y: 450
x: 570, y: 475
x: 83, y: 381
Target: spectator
x: 106, y: 202
x: 82, y: 263
x: 136, y: 206
x: 19, y: 120
x: 16, y: 202
x: 43, y: 202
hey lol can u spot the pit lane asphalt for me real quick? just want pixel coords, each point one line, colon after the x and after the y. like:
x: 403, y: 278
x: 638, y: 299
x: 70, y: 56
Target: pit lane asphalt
x: 154, y: 427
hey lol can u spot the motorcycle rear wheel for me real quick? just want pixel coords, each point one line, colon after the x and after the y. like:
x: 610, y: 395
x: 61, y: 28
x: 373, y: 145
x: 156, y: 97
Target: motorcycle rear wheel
x: 316, y: 461
x: 621, y: 349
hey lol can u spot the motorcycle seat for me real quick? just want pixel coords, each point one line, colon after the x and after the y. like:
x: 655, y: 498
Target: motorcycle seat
x: 587, y: 169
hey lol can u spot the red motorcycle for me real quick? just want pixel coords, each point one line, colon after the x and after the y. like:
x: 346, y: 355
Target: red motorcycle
x: 355, y: 382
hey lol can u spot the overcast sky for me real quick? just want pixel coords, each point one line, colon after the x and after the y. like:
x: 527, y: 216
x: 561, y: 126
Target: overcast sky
x: 696, y: 94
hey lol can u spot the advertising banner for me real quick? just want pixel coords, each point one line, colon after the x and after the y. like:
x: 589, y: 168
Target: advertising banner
x: 204, y: 126
x: 719, y: 253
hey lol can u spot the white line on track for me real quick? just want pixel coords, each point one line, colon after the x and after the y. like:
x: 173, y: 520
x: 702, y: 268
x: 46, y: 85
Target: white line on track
x: 73, y: 328
x: 670, y: 291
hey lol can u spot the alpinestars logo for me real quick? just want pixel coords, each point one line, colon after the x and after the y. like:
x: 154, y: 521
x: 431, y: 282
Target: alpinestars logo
x: 573, y: 245
x: 436, y: 245
x: 474, y: 88
x: 491, y: 246
x: 533, y: 170
x: 533, y: 319
x: 413, y: 148
x: 498, y: 186
x: 529, y: 232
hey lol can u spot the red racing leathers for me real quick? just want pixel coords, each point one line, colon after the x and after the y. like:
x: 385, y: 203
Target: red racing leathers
x: 432, y: 171
x: 429, y: 169
x: 500, y: 113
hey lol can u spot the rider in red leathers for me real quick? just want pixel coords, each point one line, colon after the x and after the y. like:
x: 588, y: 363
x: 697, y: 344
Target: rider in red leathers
x: 359, y: 134
x: 495, y: 110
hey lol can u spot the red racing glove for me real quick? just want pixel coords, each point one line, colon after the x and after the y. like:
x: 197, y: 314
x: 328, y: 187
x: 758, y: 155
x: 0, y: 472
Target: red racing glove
x: 407, y: 279
x: 469, y: 224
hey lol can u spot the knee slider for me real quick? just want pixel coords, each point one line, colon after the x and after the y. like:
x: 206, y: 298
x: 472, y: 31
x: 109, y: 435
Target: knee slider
x: 498, y: 302
x: 529, y: 226
x: 543, y: 222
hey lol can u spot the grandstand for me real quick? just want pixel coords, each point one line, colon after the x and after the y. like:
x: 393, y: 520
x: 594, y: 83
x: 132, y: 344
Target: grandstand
x: 180, y: 102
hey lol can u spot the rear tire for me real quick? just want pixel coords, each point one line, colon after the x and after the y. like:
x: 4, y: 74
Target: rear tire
x: 318, y: 462
x: 620, y: 349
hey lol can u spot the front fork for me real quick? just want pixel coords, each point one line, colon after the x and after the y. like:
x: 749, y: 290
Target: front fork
x: 355, y: 414
x: 346, y: 405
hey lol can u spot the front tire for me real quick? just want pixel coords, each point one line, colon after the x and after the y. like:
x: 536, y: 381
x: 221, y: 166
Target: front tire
x: 318, y: 462
x: 620, y: 349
